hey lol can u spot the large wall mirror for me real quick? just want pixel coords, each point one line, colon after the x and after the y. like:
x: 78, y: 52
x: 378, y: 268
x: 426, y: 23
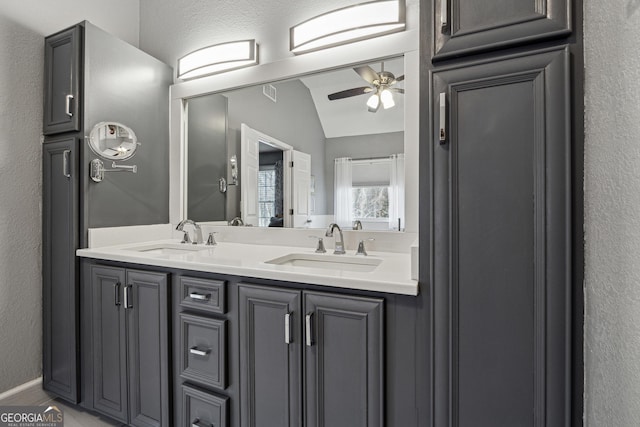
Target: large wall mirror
x: 329, y: 146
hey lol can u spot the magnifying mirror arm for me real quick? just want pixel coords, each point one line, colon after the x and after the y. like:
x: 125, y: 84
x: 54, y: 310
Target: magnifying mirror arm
x: 97, y: 169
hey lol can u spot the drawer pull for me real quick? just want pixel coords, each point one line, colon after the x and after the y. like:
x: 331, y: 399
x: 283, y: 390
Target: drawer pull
x: 199, y: 297
x: 116, y: 289
x: 67, y: 105
x: 309, y: 319
x: 66, y: 170
x: 198, y: 352
x: 444, y: 16
x: 287, y: 328
x: 198, y: 423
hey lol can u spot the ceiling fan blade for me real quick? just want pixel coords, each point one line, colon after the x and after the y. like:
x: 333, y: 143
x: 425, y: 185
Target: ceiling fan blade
x: 367, y: 73
x: 396, y: 89
x: 349, y: 92
x: 399, y: 79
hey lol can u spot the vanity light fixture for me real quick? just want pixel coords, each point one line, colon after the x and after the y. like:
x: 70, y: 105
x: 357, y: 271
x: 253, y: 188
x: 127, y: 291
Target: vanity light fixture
x: 218, y: 58
x: 348, y: 24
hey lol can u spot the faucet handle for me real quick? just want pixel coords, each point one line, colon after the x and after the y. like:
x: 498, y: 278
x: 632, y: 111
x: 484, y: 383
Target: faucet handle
x: 211, y: 241
x: 320, y: 248
x: 186, y: 238
x: 361, y: 249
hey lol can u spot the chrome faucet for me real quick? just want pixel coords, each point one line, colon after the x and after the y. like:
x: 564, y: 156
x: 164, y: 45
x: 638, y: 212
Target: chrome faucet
x: 339, y: 245
x: 236, y: 221
x: 198, y: 231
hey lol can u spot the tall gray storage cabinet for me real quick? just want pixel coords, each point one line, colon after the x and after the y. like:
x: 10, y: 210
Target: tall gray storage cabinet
x: 503, y: 143
x: 59, y: 267
x: 91, y: 77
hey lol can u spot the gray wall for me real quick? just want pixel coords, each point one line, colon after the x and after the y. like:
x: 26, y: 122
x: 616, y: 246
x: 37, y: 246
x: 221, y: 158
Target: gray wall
x: 169, y: 29
x: 23, y: 25
x: 357, y: 147
x: 207, y: 157
x: 21, y: 62
x: 124, y: 84
x: 292, y: 120
x: 612, y: 213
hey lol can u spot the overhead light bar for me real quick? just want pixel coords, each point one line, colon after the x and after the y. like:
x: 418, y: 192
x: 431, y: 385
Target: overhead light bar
x: 218, y: 58
x: 349, y: 24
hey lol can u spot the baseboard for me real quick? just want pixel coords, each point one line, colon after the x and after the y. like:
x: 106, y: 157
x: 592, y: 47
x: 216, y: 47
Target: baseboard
x: 18, y: 389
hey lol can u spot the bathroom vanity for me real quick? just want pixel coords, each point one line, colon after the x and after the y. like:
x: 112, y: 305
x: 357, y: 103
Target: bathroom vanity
x: 235, y: 333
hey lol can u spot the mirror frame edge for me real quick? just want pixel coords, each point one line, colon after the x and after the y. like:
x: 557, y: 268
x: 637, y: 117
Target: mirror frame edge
x: 405, y: 43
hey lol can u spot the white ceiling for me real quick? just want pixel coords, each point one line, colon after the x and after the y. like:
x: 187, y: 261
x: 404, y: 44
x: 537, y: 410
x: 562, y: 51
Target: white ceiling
x: 349, y: 116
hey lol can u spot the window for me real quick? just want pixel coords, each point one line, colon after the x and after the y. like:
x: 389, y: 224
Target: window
x: 370, y: 202
x: 266, y: 195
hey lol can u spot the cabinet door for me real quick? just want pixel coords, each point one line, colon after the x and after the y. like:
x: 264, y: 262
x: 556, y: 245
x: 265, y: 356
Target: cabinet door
x: 147, y: 322
x: 59, y: 268
x: 62, y: 81
x: 270, y: 359
x: 502, y: 269
x: 344, y: 348
x: 467, y: 26
x: 109, y: 342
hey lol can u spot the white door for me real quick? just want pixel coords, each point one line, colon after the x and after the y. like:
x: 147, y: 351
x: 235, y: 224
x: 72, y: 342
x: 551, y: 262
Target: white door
x: 249, y: 166
x: 301, y: 188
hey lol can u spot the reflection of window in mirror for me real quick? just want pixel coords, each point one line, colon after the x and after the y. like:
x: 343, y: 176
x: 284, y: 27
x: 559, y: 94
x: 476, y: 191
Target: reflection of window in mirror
x: 266, y: 195
x: 370, y: 191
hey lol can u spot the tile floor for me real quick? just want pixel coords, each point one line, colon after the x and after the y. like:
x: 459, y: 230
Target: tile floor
x: 74, y: 416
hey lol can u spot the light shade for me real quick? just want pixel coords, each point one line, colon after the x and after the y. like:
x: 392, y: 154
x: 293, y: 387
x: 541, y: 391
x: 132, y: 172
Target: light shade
x: 348, y: 24
x: 218, y: 59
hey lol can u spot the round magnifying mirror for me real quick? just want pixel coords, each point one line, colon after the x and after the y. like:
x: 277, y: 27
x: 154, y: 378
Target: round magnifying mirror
x: 113, y: 140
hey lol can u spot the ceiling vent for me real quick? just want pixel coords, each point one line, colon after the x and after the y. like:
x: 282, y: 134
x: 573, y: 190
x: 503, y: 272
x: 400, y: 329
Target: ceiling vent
x: 270, y: 92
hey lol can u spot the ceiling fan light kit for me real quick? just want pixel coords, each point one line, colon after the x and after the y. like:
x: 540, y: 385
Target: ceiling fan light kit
x: 218, y: 58
x: 382, y: 86
x: 348, y: 24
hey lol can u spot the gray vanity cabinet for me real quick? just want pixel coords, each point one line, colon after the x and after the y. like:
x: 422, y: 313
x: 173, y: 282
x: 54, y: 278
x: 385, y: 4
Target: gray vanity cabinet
x: 343, y: 359
x: 462, y: 27
x: 270, y: 356
x: 339, y: 341
x: 502, y: 268
x: 59, y: 267
x: 62, y: 81
x: 130, y: 345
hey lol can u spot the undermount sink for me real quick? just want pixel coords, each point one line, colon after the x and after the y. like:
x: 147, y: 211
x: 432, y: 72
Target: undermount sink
x: 169, y: 248
x: 328, y: 262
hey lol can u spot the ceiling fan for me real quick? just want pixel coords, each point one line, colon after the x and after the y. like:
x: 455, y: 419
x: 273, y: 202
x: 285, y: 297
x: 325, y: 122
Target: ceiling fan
x: 381, y: 88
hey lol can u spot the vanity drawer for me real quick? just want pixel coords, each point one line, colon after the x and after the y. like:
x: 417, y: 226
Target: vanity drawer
x: 203, y: 350
x: 203, y: 409
x: 202, y: 294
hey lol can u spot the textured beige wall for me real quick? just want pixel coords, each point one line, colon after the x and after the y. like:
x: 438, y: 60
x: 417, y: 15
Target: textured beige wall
x: 21, y: 63
x: 612, y: 213
x: 23, y: 23
x: 169, y: 29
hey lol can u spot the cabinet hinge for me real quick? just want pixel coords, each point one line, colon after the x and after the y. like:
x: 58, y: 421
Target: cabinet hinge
x: 290, y: 164
x: 290, y: 211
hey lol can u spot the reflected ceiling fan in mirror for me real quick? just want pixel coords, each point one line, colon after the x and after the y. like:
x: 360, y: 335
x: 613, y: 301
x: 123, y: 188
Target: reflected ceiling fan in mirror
x: 381, y: 88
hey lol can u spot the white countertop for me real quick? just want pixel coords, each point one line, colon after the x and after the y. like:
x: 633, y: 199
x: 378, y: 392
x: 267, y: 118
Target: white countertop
x: 392, y: 275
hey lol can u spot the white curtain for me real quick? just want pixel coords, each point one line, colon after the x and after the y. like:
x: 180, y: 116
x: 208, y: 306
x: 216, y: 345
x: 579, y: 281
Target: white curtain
x: 343, y: 181
x: 396, y: 192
